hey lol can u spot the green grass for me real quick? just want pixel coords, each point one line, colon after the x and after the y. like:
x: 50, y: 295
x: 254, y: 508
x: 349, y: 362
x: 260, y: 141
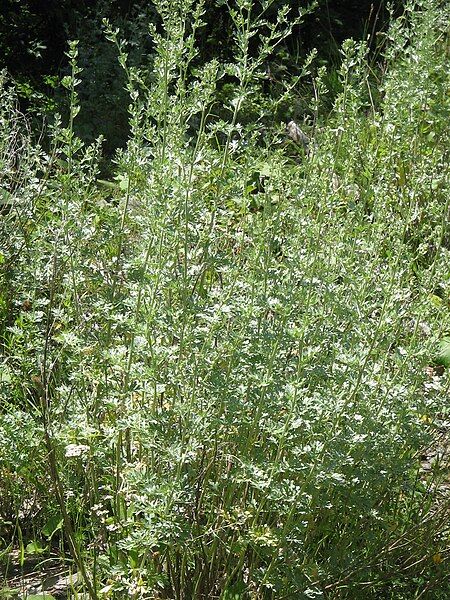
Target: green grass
x: 216, y: 369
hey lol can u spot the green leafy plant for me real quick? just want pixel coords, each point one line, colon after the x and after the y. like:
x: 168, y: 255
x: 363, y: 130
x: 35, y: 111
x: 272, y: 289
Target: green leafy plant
x: 222, y: 359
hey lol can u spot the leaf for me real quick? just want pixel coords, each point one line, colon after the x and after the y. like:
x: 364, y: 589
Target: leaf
x: 43, y: 596
x: 443, y: 356
x: 66, y: 82
x: 6, y: 199
x: 35, y: 548
x: 53, y: 525
x: 8, y: 593
x: 108, y: 184
x: 123, y: 182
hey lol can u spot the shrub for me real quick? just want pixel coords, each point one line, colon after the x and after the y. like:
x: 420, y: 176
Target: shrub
x: 225, y: 352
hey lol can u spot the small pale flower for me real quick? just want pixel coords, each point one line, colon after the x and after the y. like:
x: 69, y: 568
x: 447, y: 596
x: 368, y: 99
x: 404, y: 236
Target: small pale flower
x: 75, y: 450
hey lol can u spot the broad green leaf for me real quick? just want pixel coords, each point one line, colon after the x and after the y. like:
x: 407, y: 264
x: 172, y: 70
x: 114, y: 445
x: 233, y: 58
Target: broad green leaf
x: 52, y: 526
x: 443, y: 357
x: 35, y: 548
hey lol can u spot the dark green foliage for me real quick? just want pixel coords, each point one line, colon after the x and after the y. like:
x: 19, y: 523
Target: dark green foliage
x: 34, y: 36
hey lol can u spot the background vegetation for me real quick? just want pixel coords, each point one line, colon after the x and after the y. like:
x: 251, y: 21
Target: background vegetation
x: 34, y: 35
x: 224, y: 360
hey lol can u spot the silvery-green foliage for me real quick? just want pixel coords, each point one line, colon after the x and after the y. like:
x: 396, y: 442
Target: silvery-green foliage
x: 225, y: 351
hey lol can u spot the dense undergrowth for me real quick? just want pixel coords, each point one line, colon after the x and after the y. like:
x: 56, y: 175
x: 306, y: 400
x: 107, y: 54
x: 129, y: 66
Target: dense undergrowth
x: 220, y: 369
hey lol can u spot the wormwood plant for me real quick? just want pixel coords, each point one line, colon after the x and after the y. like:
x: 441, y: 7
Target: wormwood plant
x: 217, y: 372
